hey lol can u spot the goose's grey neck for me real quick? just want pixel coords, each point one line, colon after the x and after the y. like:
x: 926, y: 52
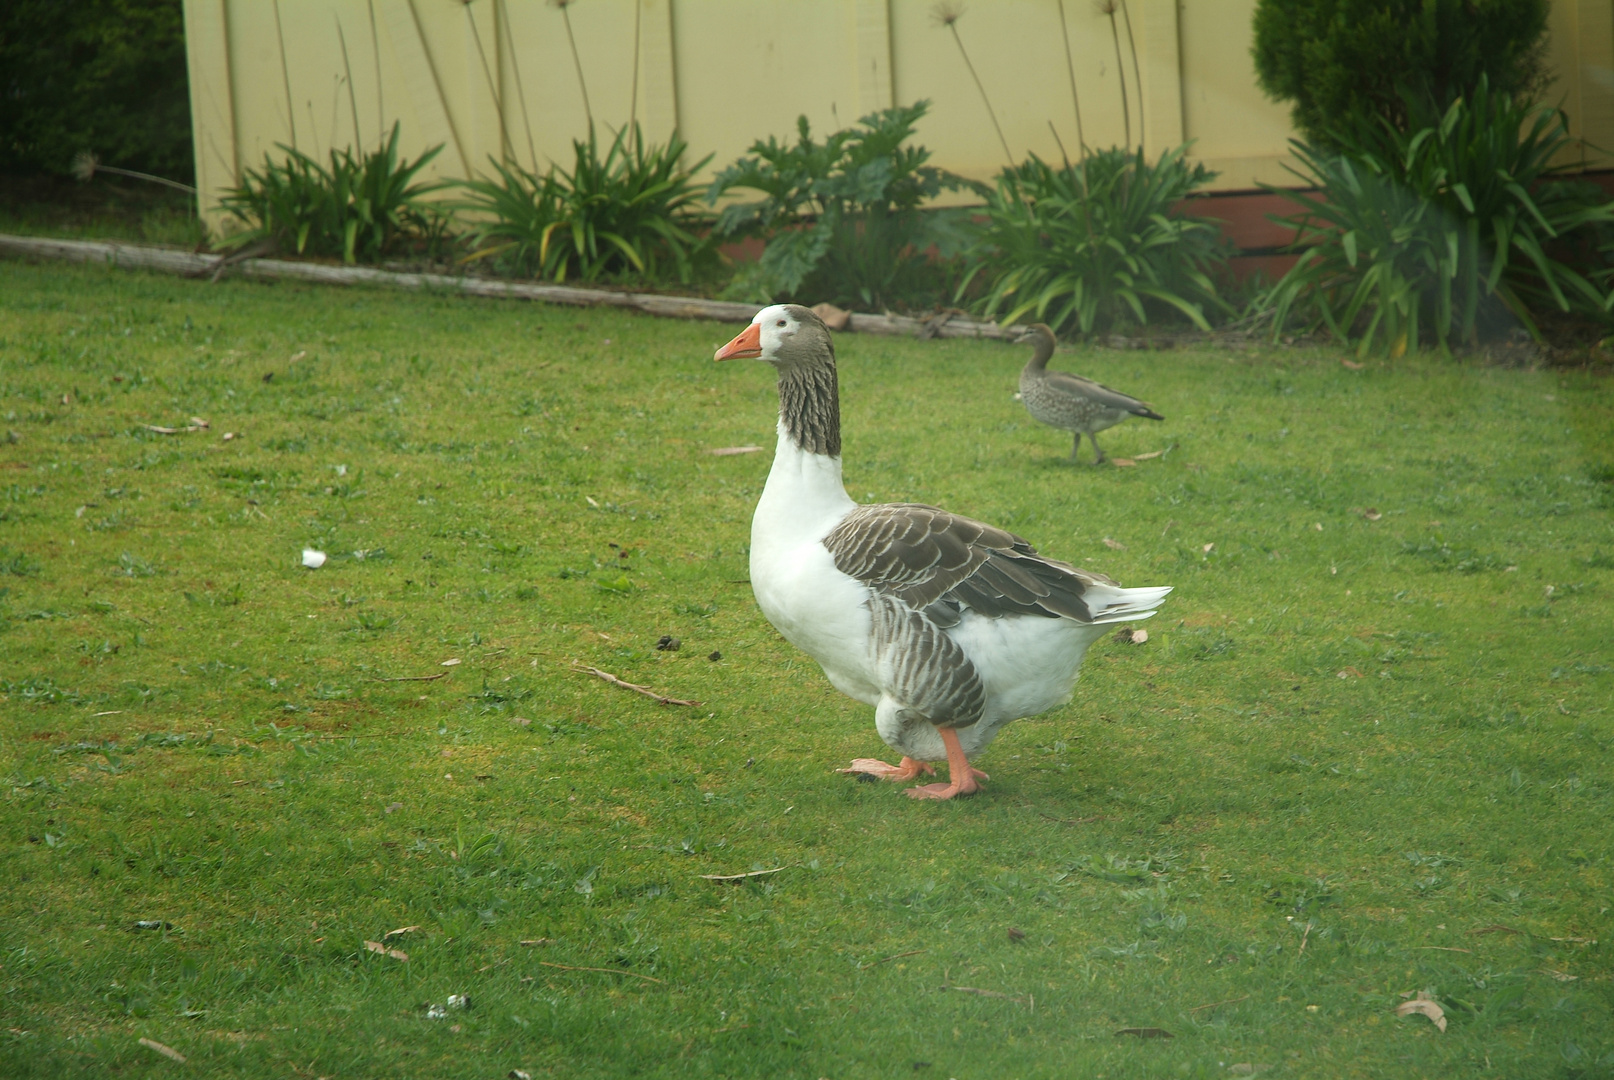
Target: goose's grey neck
x: 810, y: 406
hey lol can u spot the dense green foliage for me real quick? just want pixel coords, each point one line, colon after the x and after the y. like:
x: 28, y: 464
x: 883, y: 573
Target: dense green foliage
x: 1350, y: 764
x: 360, y: 208
x: 1457, y: 230
x: 1104, y: 240
x: 1345, y: 64
x: 107, y: 76
x: 842, y: 218
x: 626, y: 214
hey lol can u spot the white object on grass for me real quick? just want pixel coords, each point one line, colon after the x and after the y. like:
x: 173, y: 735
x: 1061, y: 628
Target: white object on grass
x: 313, y: 559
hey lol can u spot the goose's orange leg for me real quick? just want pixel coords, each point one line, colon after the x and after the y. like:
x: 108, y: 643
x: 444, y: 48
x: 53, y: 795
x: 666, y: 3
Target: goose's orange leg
x: 962, y: 779
x: 901, y: 774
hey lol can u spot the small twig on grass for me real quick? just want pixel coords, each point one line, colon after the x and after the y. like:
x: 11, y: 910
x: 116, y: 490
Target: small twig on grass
x: 196, y: 424
x: 635, y: 687
x: 989, y: 993
x: 608, y: 971
x: 1307, y: 935
x: 1215, y: 1004
x: 1445, y: 948
x: 742, y: 877
x: 414, y: 678
x: 888, y: 959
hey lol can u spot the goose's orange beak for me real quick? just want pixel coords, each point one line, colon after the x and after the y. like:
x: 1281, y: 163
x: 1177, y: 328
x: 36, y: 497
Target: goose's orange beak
x: 746, y: 346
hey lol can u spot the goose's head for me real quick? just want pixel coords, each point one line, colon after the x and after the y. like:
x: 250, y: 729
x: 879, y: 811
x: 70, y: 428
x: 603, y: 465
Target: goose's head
x: 785, y: 335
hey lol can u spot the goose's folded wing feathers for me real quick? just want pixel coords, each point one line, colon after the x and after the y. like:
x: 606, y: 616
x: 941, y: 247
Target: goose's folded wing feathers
x: 924, y: 556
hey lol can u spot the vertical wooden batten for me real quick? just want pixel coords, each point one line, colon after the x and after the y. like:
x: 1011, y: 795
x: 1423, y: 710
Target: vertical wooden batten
x: 872, y: 49
x: 658, y: 73
x: 213, y: 142
x: 1160, y: 58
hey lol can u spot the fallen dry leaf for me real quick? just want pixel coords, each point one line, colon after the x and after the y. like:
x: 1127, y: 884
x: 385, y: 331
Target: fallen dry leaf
x: 166, y: 1051
x: 730, y: 451
x: 1353, y: 365
x: 1114, y: 545
x: 1122, y: 462
x: 1016, y: 934
x: 452, y: 661
x: 590, y: 500
x: 1151, y: 455
x: 1208, y: 548
x: 835, y: 318
x: 1423, y: 1007
x: 530, y: 942
x: 299, y: 355
x: 1560, y: 976
x: 377, y: 947
x: 402, y: 930
x: 1348, y: 673
x: 1147, y: 1033
x: 1371, y: 514
x: 1128, y: 636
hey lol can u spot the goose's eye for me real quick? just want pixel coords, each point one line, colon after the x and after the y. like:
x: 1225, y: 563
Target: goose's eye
x: 781, y: 322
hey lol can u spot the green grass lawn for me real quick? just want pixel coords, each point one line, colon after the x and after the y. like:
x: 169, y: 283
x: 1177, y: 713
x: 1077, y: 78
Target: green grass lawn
x: 1356, y: 759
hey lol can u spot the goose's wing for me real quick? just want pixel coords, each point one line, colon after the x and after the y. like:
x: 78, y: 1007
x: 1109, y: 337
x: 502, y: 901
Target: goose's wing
x: 931, y: 559
x: 1077, y: 385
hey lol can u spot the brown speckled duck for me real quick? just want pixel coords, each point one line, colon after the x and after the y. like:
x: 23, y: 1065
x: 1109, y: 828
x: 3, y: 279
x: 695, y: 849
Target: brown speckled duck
x: 1070, y: 402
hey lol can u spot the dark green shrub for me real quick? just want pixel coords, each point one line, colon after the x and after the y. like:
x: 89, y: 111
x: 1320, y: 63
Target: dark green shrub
x: 842, y: 217
x: 106, y: 76
x: 1087, y: 245
x: 1458, y: 229
x: 359, y: 208
x: 1342, y: 62
x: 629, y: 212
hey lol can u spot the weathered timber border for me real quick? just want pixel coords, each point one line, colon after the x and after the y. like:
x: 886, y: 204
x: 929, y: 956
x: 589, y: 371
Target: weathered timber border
x: 174, y: 261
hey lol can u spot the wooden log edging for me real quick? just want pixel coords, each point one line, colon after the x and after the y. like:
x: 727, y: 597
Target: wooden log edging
x: 174, y: 261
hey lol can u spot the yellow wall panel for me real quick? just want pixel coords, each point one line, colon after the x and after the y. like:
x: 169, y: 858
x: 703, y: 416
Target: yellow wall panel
x: 497, y: 78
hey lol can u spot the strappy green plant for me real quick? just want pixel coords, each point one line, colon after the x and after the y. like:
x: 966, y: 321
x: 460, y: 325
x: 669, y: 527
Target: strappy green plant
x: 1459, y: 228
x: 843, y: 217
x: 1088, y: 245
x: 631, y: 211
x: 359, y: 208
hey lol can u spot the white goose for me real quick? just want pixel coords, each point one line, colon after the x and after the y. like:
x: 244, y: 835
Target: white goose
x: 948, y: 627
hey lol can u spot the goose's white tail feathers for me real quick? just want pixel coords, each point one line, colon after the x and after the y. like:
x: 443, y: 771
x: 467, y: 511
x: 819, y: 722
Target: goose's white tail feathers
x: 1110, y: 604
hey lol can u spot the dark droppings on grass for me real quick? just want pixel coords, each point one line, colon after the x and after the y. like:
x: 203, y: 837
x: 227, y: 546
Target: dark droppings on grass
x: 1189, y: 845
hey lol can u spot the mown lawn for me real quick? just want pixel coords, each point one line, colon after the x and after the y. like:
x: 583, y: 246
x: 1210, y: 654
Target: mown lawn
x: 1356, y: 759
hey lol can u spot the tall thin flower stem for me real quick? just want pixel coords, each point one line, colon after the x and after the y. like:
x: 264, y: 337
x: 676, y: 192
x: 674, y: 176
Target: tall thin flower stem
x: 1075, y: 102
x: 1108, y: 8
x: 380, y: 101
x: 285, y: 78
x: 948, y: 16
x: 501, y: 11
x: 577, y: 61
x: 505, y: 145
x: 352, y: 95
x: 1137, y: 74
x: 633, y: 92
